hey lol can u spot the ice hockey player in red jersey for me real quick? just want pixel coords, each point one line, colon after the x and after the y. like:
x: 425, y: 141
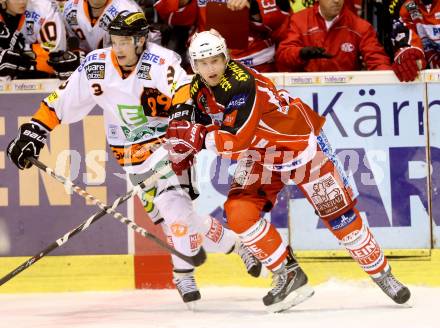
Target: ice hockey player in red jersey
x: 416, y: 38
x: 133, y: 82
x: 237, y: 112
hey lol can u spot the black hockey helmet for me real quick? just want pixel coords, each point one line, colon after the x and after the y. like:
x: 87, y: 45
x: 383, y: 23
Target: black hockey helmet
x: 129, y: 24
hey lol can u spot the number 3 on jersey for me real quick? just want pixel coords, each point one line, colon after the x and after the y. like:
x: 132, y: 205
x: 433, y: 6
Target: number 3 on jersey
x: 155, y: 103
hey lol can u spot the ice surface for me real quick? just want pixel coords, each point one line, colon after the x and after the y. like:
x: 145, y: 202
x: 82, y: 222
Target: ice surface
x: 335, y: 304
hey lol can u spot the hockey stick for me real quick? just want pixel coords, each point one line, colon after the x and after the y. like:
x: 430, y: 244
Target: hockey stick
x: 195, y: 260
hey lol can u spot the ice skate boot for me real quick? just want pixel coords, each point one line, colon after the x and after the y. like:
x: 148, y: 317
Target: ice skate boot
x: 392, y: 287
x: 290, y: 287
x: 253, y: 266
x: 187, y: 288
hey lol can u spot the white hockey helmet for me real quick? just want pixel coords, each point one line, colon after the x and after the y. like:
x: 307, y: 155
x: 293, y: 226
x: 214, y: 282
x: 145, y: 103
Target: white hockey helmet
x: 207, y: 44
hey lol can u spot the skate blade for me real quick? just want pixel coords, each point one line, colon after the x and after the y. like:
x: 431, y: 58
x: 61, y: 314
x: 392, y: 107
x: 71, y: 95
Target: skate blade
x: 192, y: 306
x: 294, y: 298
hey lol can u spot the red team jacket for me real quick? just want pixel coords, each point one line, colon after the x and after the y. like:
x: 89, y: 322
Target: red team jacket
x: 424, y: 25
x: 263, y: 34
x: 349, y: 38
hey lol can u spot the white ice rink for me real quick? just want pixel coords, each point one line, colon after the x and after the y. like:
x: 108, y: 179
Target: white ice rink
x: 335, y: 304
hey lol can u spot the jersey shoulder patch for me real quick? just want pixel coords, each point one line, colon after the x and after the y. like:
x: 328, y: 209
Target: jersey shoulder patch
x: 94, y: 64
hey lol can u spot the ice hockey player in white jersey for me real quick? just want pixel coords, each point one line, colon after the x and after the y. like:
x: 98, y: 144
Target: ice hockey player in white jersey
x: 133, y: 82
x: 32, y: 39
x: 88, y: 20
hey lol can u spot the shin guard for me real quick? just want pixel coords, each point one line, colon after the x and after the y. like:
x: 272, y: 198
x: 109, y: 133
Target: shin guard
x: 265, y: 243
x: 359, y: 241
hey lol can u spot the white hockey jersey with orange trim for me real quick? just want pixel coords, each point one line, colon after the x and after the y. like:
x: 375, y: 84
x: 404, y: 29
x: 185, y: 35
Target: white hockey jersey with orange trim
x: 43, y: 24
x: 135, y: 108
x: 92, y: 33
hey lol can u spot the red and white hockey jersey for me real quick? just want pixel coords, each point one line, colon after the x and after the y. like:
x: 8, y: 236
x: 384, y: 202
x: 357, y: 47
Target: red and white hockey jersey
x: 424, y: 25
x: 264, y: 31
x: 135, y: 108
x: 91, y: 32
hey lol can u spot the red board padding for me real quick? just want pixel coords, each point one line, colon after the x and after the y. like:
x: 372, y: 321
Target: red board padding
x: 152, y: 264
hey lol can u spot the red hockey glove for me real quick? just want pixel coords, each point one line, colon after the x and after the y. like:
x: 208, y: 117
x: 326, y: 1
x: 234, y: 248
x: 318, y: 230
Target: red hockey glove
x: 406, y: 65
x: 184, y: 141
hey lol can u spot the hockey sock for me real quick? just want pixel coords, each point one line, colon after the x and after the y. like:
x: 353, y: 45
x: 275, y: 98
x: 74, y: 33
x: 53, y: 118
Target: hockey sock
x: 359, y: 241
x: 265, y: 242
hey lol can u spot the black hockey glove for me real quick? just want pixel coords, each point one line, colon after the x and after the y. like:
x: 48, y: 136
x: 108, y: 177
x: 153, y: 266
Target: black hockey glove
x: 29, y: 142
x: 64, y: 63
x: 307, y: 53
x: 185, y: 112
x: 12, y: 63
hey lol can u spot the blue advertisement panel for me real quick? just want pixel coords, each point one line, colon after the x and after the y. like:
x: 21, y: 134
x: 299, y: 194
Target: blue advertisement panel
x: 35, y: 210
x: 379, y: 134
x: 434, y: 141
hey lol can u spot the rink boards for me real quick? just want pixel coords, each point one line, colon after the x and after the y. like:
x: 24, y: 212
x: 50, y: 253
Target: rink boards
x: 379, y: 128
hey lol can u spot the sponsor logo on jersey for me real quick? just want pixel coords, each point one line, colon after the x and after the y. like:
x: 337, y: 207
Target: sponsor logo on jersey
x: 326, y: 195
x: 144, y: 71
x: 343, y: 221
x: 71, y: 18
x: 225, y: 84
x: 112, y: 11
x: 138, y: 133
x: 32, y: 15
x: 230, y: 118
x: 132, y: 115
x: 136, y: 123
x: 195, y: 241
x: 29, y: 27
x: 95, y: 71
x: 237, y: 72
x: 104, y: 21
x: 52, y: 97
x: 179, y: 229
x: 243, y: 171
x: 237, y: 101
x: 112, y: 131
x: 91, y: 57
x: 347, y: 47
x: 153, y: 58
x: 194, y: 88
x: 437, y: 15
x: 247, y: 62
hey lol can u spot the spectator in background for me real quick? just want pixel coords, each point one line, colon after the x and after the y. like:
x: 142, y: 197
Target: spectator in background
x: 329, y: 37
x: 416, y: 38
x: 170, y: 37
x: 268, y: 22
x: 32, y: 40
x: 87, y: 20
x: 354, y: 5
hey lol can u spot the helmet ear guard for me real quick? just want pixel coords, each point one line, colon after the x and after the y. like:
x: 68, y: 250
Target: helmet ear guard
x: 206, y: 44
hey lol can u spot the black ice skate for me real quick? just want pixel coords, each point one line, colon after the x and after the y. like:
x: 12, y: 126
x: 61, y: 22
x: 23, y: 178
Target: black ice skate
x: 392, y: 287
x: 187, y: 288
x: 253, y: 266
x: 290, y: 287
